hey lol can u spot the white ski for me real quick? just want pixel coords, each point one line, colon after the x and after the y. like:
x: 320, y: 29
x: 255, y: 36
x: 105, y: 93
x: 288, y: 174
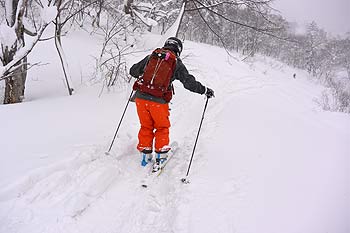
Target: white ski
x: 151, y: 175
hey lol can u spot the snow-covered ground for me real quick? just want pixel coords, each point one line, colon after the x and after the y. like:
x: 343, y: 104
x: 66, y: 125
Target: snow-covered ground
x: 268, y: 160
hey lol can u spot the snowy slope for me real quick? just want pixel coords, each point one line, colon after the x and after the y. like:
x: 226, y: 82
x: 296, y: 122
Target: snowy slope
x: 268, y: 159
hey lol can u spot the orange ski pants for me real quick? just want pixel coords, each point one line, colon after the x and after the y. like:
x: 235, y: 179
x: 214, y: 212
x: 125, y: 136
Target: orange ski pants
x: 155, y: 124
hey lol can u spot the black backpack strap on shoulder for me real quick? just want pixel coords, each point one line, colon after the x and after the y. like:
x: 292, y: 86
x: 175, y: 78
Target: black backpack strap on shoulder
x: 144, y: 67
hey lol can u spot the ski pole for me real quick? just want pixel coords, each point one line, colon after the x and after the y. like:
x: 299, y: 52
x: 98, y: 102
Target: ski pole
x: 121, y: 119
x: 184, y: 180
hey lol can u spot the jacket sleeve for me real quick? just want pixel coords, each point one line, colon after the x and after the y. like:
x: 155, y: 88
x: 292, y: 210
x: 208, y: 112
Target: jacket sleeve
x: 137, y: 69
x: 188, y: 80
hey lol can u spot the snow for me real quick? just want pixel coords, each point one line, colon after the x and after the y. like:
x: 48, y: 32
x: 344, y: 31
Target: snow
x: 9, y: 10
x: 146, y: 20
x: 173, y: 29
x: 48, y: 14
x: 7, y: 35
x: 268, y: 159
x: 145, y: 5
x: 28, y: 25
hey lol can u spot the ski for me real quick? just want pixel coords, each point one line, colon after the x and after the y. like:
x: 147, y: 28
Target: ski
x: 152, y: 175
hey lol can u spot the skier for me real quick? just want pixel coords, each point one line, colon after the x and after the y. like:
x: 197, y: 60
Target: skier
x: 152, y: 106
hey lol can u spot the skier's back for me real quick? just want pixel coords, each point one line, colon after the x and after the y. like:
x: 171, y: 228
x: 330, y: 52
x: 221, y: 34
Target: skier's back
x: 152, y: 100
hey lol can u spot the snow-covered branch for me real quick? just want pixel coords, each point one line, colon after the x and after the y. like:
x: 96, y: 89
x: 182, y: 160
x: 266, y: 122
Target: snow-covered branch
x: 9, y: 38
x: 22, y: 53
x: 147, y: 21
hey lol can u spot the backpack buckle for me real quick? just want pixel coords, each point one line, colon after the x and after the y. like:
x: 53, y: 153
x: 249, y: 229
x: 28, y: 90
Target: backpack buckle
x: 162, y: 55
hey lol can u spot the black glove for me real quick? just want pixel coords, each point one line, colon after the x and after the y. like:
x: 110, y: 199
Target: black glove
x: 209, y: 93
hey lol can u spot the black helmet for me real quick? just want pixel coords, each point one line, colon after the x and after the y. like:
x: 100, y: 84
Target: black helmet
x: 174, y: 44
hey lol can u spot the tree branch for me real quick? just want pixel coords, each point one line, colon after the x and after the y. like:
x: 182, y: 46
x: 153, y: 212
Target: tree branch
x: 212, y: 30
x: 20, y: 54
x: 263, y: 31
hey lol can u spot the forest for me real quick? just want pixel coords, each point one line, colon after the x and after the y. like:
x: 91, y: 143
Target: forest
x: 248, y: 27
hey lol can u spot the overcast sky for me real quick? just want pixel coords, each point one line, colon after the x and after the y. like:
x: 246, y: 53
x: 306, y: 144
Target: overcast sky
x: 331, y: 15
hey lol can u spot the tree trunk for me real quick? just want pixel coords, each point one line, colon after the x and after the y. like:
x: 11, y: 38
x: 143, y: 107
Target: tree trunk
x: 127, y: 7
x: 61, y: 55
x: 15, y: 85
x: 183, y: 8
x: 15, y: 81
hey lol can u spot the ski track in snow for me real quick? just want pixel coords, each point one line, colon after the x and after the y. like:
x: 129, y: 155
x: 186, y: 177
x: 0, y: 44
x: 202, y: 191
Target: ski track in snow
x: 66, y: 196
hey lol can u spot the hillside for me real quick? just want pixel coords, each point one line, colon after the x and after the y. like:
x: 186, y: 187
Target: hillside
x: 268, y: 160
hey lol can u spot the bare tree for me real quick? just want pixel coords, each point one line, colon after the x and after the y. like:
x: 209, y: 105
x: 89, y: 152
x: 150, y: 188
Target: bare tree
x: 344, y: 50
x: 152, y: 13
x: 118, y: 40
x: 235, y: 25
x: 62, y: 6
x: 67, y: 12
x: 14, y: 51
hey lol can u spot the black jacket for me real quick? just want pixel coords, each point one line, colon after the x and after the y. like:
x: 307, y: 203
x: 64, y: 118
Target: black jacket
x: 181, y: 74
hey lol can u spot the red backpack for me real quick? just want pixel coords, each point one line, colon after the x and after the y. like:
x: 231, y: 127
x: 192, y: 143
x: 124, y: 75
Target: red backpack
x: 156, y: 79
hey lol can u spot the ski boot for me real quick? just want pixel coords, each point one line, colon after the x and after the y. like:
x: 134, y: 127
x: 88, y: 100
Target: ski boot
x: 146, y: 156
x: 161, y: 159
